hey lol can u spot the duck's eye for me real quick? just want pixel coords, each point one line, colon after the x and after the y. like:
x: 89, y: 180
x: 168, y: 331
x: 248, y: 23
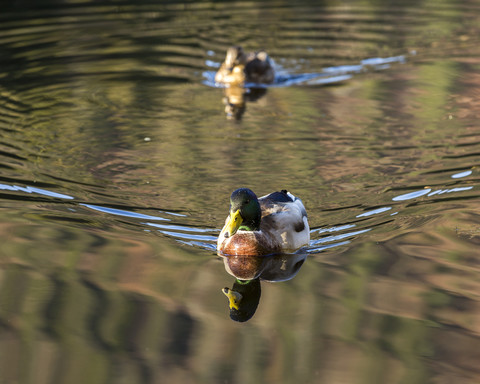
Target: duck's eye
x: 247, y: 201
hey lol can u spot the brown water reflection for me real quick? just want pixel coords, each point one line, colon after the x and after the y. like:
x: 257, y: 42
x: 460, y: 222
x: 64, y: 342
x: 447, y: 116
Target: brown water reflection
x: 116, y: 163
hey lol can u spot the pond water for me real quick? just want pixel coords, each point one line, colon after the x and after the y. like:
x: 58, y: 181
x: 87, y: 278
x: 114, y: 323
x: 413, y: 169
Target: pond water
x: 117, y: 160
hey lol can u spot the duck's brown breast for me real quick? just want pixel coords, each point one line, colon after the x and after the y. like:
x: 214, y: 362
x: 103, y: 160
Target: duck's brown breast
x: 248, y: 243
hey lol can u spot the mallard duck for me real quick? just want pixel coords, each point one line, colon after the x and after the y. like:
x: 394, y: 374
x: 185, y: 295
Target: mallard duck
x: 239, y: 68
x: 260, y: 226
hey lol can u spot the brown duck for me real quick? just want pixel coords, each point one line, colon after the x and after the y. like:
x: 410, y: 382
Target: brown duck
x: 240, y: 68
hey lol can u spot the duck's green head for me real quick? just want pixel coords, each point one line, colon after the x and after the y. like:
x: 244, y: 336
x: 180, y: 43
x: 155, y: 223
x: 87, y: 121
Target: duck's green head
x: 245, y: 212
x: 243, y: 299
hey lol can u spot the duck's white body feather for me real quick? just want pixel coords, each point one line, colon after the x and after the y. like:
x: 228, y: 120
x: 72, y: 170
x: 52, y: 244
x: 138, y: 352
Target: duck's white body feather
x: 286, y: 220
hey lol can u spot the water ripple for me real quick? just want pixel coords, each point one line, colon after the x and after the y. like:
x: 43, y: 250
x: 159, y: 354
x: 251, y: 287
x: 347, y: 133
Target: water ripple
x: 341, y: 236
x: 285, y: 77
x: 412, y: 195
x: 121, y: 212
x: 461, y: 174
x: 374, y: 211
x: 39, y: 191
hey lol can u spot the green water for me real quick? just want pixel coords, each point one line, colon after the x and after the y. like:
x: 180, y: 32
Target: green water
x: 117, y: 160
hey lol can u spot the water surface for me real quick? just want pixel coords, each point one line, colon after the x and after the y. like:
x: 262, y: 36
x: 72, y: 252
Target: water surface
x: 117, y: 160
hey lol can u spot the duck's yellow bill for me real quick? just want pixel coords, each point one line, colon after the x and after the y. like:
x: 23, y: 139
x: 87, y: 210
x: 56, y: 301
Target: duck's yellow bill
x: 233, y: 223
x: 234, y: 298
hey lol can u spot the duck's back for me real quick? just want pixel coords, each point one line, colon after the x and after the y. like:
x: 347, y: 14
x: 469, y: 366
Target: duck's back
x: 284, y: 216
x: 259, y: 68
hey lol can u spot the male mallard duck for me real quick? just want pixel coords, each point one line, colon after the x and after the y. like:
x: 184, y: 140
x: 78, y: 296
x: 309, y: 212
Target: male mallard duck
x: 271, y: 224
x: 239, y: 68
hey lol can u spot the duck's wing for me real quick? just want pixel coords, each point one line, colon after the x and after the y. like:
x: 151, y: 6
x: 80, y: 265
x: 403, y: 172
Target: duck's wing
x: 284, y: 216
x: 259, y: 68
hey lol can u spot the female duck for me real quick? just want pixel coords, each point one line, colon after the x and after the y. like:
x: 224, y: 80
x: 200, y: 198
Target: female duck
x: 239, y: 68
x: 271, y: 224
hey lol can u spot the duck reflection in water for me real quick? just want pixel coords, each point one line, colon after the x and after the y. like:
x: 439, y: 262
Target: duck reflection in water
x: 236, y: 98
x: 239, y: 69
x: 244, y: 296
